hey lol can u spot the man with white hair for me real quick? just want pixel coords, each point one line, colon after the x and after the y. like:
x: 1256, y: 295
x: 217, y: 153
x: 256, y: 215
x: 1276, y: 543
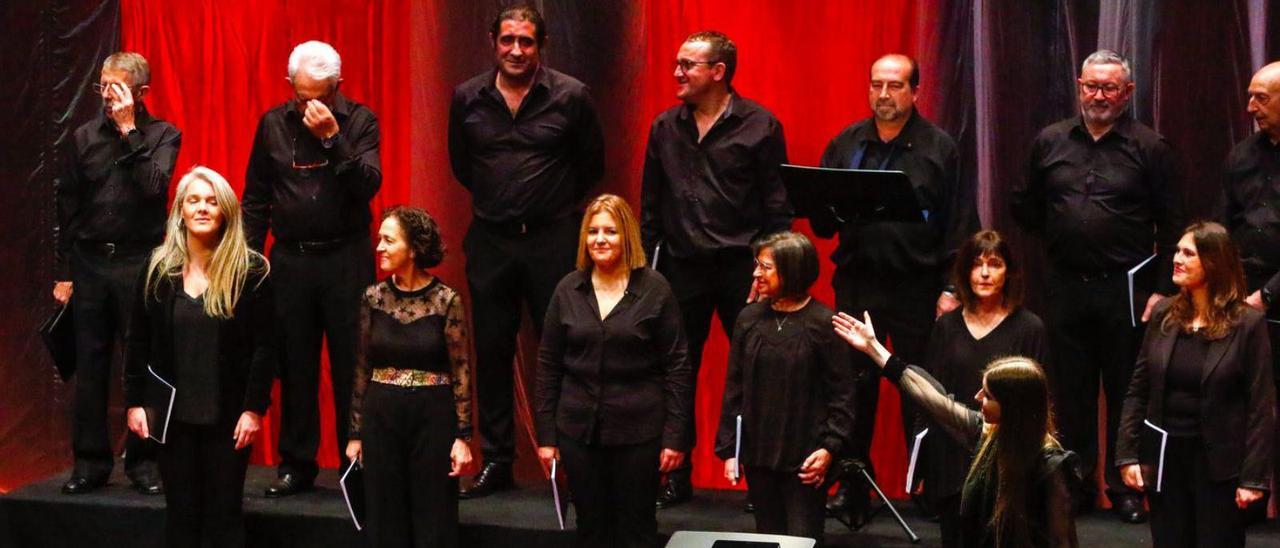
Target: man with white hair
x: 1103, y: 193
x: 111, y: 213
x: 313, y: 170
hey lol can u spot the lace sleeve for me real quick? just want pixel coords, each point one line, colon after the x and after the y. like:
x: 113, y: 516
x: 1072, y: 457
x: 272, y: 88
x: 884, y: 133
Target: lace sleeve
x: 459, y: 344
x: 961, y: 423
x: 360, y: 380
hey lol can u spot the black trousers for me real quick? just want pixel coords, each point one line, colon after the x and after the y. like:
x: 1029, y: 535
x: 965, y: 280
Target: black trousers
x: 1194, y: 510
x: 506, y: 269
x: 905, y: 318
x: 613, y: 492
x: 719, y: 284
x: 204, y: 485
x: 104, y: 286
x: 1093, y: 341
x: 317, y: 298
x: 948, y: 508
x: 410, y: 500
x: 784, y: 506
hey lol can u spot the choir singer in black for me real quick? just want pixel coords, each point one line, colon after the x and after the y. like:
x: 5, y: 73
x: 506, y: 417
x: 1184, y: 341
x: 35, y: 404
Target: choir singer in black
x: 614, y: 393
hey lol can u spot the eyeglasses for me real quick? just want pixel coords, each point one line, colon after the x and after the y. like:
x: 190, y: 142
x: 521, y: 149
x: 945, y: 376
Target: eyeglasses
x: 685, y: 65
x: 99, y: 88
x: 305, y: 167
x: 1108, y: 90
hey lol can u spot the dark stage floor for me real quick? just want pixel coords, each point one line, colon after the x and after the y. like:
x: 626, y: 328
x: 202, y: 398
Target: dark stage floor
x: 39, y: 515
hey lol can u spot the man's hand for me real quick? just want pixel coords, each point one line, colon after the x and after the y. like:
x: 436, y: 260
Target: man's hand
x: 947, y: 302
x: 669, y: 460
x: 1255, y: 300
x: 121, y: 109
x: 62, y: 292
x: 247, y: 429
x: 1151, y: 303
x: 1246, y: 496
x: 137, y: 421
x: 355, y: 451
x: 1131, y: 474
x: 548, y: 453
x: 731, y: 471
x: 814, y: 470
x: 459, y: 458
x: 319, y: 120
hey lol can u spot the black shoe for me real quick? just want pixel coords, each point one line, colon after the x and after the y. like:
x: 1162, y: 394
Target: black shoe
x: 677, y: 491
x: 148, y: 485
x: 79, y: 485
x: 1130, y: 510
x: 494, y: 477
x: 838, y: 501
x: 749, y: 508
x: 287, y: 485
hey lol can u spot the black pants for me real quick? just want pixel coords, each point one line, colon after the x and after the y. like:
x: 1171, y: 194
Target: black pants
x: 507, y: 269
x: 784, y: 506
x: 317, y: 298
x: 104, y: 286
x: 948, y: 508
x: 719, y: 284
x: 204, y: 485
x: 1192, y: 509
x: 613, y: 492
x: 410, y: 499
x: 905, y: 318
x: 1093, y: 341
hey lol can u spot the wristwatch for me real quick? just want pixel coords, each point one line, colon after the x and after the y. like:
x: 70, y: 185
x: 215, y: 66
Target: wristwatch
x: 328, y: 143
x: 1267, y: 297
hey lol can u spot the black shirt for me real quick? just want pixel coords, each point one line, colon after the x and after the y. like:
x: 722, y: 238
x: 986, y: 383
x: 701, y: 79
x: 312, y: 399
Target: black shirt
x: 722, y: 192
x: 956, y: 359
x: 791, y: 379
x: 195, y: 363
x: 534, y: 167
x: 305, y: 191
x: 618, y: 381
x: 114, y: 188
x: 1182, y: 384
x: 880, y: 255
x: 1102, y: 206
x: 1250, y: 208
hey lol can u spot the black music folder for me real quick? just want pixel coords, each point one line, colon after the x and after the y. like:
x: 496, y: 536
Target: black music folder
x: 158, y: 404
x: 59, y: 336
x: 838, y: 196
x: 352, y: 485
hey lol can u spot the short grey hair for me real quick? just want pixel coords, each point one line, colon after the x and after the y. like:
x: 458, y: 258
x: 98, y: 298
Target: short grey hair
x: 1108, y: 57
x: 135, y: 65
x: 319, y: 59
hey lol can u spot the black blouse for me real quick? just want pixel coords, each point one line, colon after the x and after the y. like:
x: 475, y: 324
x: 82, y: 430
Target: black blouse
x: 791, y: 379
x: 413, y: 331
x: 195, y: 368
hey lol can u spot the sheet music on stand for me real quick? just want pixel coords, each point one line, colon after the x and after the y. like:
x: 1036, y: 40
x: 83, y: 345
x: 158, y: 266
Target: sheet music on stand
x: 555, y: 493
x: 352, y: 485
x: 915, y: 456
x: 1131, y: 275
x: 159, y: 406
x: 1164, y: 441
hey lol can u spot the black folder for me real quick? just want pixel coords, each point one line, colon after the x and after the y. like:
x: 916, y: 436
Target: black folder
x: 158, y: 405
x: 352, y: 485
x: 837, y: 196
x: 59, y: 335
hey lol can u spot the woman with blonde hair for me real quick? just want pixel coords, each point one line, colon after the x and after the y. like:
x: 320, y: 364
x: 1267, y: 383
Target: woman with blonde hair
x: 203, y: 322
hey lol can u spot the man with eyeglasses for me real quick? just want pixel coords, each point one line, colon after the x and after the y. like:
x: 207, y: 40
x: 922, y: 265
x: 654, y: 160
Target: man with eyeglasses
x: 313, y: 169
x: 711, y: 185
x: 1249, y: 200
x: 1103, y: 194
x: 525, y: 140
x: 896, y: 271
x: 111, y: 199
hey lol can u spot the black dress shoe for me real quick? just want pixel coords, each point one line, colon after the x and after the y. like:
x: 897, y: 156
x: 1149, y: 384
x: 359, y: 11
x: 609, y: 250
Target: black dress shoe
x: 838, y: 501
x: 149, y: 485
x: 494, y: 477
x: 749, y: 508
x: 79, y: 485
x: 676, y: 491
x: 1130, y: 510
x: 286, y: 485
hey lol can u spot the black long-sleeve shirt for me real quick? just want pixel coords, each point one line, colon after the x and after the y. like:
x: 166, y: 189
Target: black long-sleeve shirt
x: 617, y: 381
x: 304, y: 191
x: 718, y: 193
x: 881, y: 255
x: 791, y: 380
x: 1249, y: 208
x: 114, y: 187
x: 533, y: 167
x: 1102, y: 206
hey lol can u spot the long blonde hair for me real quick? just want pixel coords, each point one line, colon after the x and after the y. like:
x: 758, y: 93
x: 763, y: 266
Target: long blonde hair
x: 232, y: 260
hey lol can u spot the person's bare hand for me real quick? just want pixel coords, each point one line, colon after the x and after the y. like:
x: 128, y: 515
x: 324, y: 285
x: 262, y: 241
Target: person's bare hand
x: 669, y: 460
x: 1132, y: 476
x: 62, y: 292
x: 121, y: 108
x: 1151, y: 304
x: 247, y: 429
x: 459, y: 458
x: 355, y: 451
x: 1255, y: 300
x: 137, y: 420
x: 1246, y: 496
x: 947, y: 302
x: 814, y: 470
x: 319, y: 120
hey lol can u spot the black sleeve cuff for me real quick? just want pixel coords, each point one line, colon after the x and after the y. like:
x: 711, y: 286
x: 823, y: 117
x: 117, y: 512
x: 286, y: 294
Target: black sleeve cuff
x: 894, y: 368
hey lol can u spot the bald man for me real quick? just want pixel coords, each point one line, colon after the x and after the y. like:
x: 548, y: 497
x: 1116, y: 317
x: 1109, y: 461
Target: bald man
x: 1250, y: 202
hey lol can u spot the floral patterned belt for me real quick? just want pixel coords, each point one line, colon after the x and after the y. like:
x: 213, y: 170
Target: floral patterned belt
x: 410, y: 377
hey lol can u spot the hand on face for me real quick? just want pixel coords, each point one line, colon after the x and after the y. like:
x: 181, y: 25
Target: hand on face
x: 118, y: 99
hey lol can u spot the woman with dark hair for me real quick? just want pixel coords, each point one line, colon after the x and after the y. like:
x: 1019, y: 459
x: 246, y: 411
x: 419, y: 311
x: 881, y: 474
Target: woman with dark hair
x: 204, y: 322
x: 790, y: 383
x: 411, y: 403
x: 1203, y: 376
x: 990, y: 324
x: 614, y: 391
x: 1018, y: 490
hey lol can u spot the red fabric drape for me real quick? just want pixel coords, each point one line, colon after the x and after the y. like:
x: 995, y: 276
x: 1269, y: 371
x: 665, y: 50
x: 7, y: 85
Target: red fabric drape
x: 218, y: 65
